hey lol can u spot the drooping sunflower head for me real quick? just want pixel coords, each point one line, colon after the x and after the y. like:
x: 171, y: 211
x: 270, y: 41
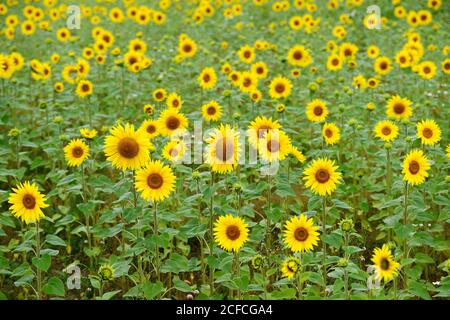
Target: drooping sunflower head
x: 88, y: 133
x: 429, y: 132
x: 415, y: 167
x: 212, y: 111
x: 174, y: 150
x: 127, y: 148
x: 386, y: 267
x: 290, y: 267
x: 222, y: 152
x: 172, y: 122
x: 280, y: 87
x: 26, y: 202
x: 386, y: 130
x: 331, y: 133
x: 399, y: 108
x: 155, y: 181
x: 300, y: 234
x: 322, y: 177
x: 274, y: 146
x: 230, y: 233
x: 259, y: 127
x: 316, y: 110
x: 297, y: 154
x: 76, y: 152
x: 150, y: 128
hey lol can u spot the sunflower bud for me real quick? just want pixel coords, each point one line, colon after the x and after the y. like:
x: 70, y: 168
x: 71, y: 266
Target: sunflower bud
x: 371, y: 106
x: 280, y: 108
x: 387, y: 146
x: 236, y: 115
x: 319, y: 80
x: 258, y: 262
x: 237, y: 188
x: 408, y: 139
x: 447, y: 179
x: 226, y: 93
x: 313, y: 87
x: 58, y: 119
x: 106, y: 272
x: 43, y: 105
x: 195, y: 175
x: 64, y: 137
x: 346, y: 225
x: 342, y: 263
x: 14, y: 133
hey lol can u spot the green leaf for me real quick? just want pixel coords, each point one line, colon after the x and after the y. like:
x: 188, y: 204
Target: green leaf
x: 108, y: 295
x: 55, y: 240
x: 181, y: 285
x: 42, y: 263
x: 151, y: 290
x: 54, y: 286
x: 341, y: 204
x: 419, y: 289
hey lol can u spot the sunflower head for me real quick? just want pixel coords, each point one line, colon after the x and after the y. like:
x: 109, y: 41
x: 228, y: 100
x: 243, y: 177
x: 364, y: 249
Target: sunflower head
x: 331, y: 133
x: 386, y: 130
x: 172, y: 122
x: 230, y: 233
x: 212, y: 111
x: 76, y: 152
x: 155, y: 181
x: 316, y: 110
x: 429, y: 132
x: 300, y: 234
x: 322, y: 177
x: 26, y: 202
x: 415, y: 167
x: 222, y: 152
x: 174, y: 150
x: 290, y: 267
x: 399, y: 108
x: 259, y: 127
x: 274, y: 146
x: 386, y: 267
x: 280, y: 87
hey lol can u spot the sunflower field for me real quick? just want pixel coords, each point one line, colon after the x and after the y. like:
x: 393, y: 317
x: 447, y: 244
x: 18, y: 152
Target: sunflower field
x: 224, y: 149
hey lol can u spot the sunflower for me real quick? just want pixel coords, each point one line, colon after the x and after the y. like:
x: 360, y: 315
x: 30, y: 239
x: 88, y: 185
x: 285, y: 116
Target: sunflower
x: 383, y: 65
x: 88, y: 133
x: 26, y: 202
x: 187, y: 48
x: 445, y: 66
x: 58, y: 87
x: 429, y: 132
x: 348, y: 50
x: 447, y: 150
x: 171, y: 121
x: 222, y: 152
x: 322, y: 176
x: 403, y: 59
x: 290, y: 267
x: 274, y: 146
x: 296, y: 23
x: 415, y: 167
x: 299, y: 56
x: 399, y: 108
x: 427, y: 70
x: 249, y: 82
x: 246, y: 54
x: 316, y: 110
x: 260, y: 70
x: 280, y: 87
x: 334, y: 62
x: 28, y: 28
x: 300, y: 234
x: 155, y: 181
x: 76, y: 152
x: 159, y: 94
x: 127, y: 148
x: 150, y: 128
x: 297, y: 154
x: 174, y: 101
x: 386, y: 267
x: 207, y: 78
x: 235, y: 78
x: 84, y: 88
x: 230, y: 232
x: 174, y: 150
x: 63, y: 34
x: 331, y: 133
x: 255, y: 95
x: 373, y: 51
x: 386, y: 130
x: 259, y: 127
x: 211, y: 111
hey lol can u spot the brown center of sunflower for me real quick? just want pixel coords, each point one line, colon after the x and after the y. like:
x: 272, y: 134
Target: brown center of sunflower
x: 273, y: 146
x: 386, y: 131
x: 224, y: 149
x: 128, y: 148
x: 234, y: 77
x: 447, y: 66
x: 175, y: 103
x: 77, y: 152
x: 427, y: 69
x: 414, y: 167
x: 298, y: 55
x: 402, y: 59
x: 154, y: 181
x: 211, y: 110
x: 383, y: 65
x: 279, y: 88
x: 427, y: 133
x: 206, y: 77
x: 318, y: 111
x: 384, y: 264
x: 301, y: 234
x: 262, y: 131
x: 347, y: 52
x: 247, y: 54
x: 29, y: 201
x: 85, y: 88
x: 151, y: 128
x: 173, y: 152
x: 233, y: 232
x: 296, y: 22
x: 260, y: 70
x: 159, y: 95
x: 399, y: 108
x: 172, y: 123
x: 247, y: 82
x: 322, y: 175
x: 328, y: 133
x: 335, y: 62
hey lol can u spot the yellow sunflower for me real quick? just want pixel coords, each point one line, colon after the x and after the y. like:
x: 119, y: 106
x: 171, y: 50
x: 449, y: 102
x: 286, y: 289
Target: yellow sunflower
x: 212, y: 111
x: 174, y: 101
x: 260, y: 70
x: 316, y: 110
x: 246, y: 54
x: 84, y: 88
x: 331, y: 133
x: 280, y: 87
x: 207, y: 78
x: 429, y: 132
x: 26, y: 202
x: 230, y: 233
x: 222, y: 152
x: 447, y: 150
x: 299, y: 56
x: 399, y: 108
x: 334, y: 62
x: 274, y: 146
x: 174, y: 150
x: 383, y: 65
x: 259, y: 127
x: 159, y: 94
x: 155, y: 181
x: 127, y: 148
x: 76, y: 152
x: 88, y: 133
x: 322, y: 176
x: 290, y: 267
x: 427, y: 70
x: 249, y: 82
x: 150, y: 128
x: 297, y: 154
x: 300, y: 234
x: 171, y: 121
x: 386, y: 130
x: 385, y: 265
x: 415, y: 167
x: 187, y: 48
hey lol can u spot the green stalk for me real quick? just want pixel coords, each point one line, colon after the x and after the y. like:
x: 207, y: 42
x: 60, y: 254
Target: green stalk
x: 38, y: 255
x: 155, y: 231
x: 211, y: 236
x: 324, y: 245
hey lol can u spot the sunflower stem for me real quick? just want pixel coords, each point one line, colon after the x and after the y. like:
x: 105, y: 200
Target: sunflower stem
x: 202, y: 257
x: 269, y: 203
x: 300, y: 280
x: 238, y: 272
x: 324, y: 245
x: 38, y: 255
x: 86, y: 217
x: 405, y: 221
x: 211, y: 236
x: 155, y: 231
